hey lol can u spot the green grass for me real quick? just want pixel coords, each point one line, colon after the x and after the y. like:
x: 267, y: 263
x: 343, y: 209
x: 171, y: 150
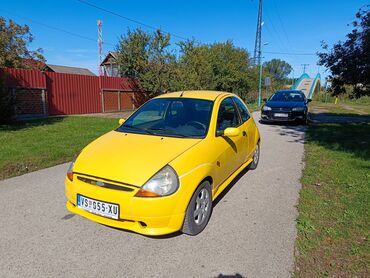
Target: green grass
x: 351, y: 108
x: 36, y: 144
x: 252, y: 107
x: 334, y: 207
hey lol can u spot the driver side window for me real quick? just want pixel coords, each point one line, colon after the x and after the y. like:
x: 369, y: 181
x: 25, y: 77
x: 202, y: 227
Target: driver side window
x: 227, y: 115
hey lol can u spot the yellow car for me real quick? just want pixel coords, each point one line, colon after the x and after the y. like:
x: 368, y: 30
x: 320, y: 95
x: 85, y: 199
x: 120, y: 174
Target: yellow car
x: 160, y: 170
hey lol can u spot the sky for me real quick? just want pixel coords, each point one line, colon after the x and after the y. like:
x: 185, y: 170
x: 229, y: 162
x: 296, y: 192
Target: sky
x: 67, y: 29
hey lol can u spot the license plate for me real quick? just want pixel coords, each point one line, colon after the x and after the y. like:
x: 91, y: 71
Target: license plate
x: 98, y: 207
x: 281, y: 115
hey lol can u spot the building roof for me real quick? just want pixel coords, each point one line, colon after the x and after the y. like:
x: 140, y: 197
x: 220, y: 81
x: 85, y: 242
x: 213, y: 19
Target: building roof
x: 70, y: 70
x: 109, y: 55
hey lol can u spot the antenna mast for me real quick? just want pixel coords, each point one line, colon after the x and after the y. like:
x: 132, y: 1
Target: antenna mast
x: 257, y: 45
x: 100, y: 45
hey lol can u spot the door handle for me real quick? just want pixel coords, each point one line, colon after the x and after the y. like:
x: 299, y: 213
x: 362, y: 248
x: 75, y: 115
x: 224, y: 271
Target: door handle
x: 244, y: 133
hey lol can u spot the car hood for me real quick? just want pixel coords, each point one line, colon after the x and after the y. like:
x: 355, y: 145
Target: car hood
x: 130, y: 158
x: 285, y: 104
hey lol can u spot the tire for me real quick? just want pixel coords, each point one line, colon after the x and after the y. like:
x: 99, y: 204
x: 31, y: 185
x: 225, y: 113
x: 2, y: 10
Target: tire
x: 304, y: 121
x: 256, y: 158
x: 201, y: 201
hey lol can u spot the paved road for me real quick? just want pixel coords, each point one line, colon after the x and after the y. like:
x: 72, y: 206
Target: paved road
x: 251, y: 232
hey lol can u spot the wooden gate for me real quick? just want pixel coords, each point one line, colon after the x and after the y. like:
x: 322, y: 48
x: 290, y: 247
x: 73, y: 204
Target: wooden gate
x: 114, y: 101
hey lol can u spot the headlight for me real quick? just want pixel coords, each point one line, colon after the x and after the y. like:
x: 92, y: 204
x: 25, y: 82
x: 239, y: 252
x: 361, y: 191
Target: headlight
x: 70, y: 171
x: 266, y: 108
x: 298, y: 109
x: 163, y: 183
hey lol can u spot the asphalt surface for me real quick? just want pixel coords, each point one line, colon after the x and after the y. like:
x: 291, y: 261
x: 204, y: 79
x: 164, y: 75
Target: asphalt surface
x: 250, y: 234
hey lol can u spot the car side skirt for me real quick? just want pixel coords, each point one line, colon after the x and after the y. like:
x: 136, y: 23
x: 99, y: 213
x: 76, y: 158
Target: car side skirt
x: 229, y: 179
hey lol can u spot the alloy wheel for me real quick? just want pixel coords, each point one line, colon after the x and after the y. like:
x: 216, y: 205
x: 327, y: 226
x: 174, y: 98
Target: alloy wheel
x: 202, y: 204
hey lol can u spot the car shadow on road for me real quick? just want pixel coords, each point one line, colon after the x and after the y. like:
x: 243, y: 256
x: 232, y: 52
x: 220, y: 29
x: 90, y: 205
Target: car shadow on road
x: 237, y: 275
x: 294, y: 130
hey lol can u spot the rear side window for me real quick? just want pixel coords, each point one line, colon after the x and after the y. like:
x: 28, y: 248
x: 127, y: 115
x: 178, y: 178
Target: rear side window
x: 242, y: 109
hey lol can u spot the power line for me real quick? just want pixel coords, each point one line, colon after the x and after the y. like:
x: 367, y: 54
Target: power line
x: 282, y: 24
x: 291, y: 53
x: 55, y: 28
x: 111, y: 44
x: 128, y: 19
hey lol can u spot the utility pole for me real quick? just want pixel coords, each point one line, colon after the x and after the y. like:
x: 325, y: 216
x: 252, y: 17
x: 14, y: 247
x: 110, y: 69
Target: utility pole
x: 100, y: 45
x: 258, y: 49
x: 304, y: 67
x: 257, y: 44
x: 260, y: 83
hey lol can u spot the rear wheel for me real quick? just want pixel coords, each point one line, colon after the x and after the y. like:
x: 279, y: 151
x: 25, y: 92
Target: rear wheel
x: 256, y: 158
x: 199, y: 210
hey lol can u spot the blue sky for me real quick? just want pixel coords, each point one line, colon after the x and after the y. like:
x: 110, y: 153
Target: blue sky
x: 289, y: 26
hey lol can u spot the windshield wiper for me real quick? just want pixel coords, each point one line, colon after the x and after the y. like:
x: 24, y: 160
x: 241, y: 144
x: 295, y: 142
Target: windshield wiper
x: 138, y: 129
x: 156, y: 128
x: 167, y: 134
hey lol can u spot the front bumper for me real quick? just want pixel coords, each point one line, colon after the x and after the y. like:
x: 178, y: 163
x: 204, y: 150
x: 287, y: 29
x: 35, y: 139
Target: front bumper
x: 148, y: 216
x: 272, y: 116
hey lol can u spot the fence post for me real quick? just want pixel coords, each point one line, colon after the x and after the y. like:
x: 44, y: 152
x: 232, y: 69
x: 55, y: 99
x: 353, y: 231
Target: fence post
x: 43, y: 102
x: 102, y: 100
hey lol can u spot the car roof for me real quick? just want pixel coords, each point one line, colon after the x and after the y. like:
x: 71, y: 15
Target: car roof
x: 289, y: 91
x: 201, y: 94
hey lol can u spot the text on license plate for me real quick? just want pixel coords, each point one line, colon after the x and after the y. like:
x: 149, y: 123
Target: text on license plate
x: 98, y: 207
x: 281, y: 115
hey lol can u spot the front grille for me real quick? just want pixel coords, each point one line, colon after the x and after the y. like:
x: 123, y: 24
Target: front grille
x: 104, y: 184
x: 282, y: 109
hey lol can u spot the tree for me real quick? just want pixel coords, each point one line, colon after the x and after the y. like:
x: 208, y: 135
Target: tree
x: 14, y: 41
x: 349, y: 61
x: 147, y: 58
x: 279, y: 69
x: 219, y: 66
x: 194, y: 66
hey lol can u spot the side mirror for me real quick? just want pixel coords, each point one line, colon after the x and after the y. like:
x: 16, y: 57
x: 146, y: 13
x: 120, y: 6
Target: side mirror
x: 231, y: 132
x: 265, y: 99
x: 308, y: 100
x: 121, y: 121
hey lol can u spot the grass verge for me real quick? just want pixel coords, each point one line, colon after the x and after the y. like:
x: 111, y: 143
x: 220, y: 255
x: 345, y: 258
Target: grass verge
x: 346, y: 108
x: 252, y: 107
x: 36, y: 144
x: 334, y: 207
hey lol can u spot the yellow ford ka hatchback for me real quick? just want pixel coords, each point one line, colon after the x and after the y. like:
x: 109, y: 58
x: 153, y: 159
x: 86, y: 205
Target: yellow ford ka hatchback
x: 160, y: 170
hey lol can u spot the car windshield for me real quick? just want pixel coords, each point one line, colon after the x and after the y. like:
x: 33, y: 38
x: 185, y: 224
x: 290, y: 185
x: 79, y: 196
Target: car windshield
x: 287, y: 96
x: 174, y: 117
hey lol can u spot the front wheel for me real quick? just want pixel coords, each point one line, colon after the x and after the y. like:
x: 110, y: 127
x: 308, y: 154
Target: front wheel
x: 199, y: 210
x: 256, y: 158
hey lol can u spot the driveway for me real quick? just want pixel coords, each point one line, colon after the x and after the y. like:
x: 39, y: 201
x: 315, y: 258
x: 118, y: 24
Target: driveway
x: 250, y: 234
